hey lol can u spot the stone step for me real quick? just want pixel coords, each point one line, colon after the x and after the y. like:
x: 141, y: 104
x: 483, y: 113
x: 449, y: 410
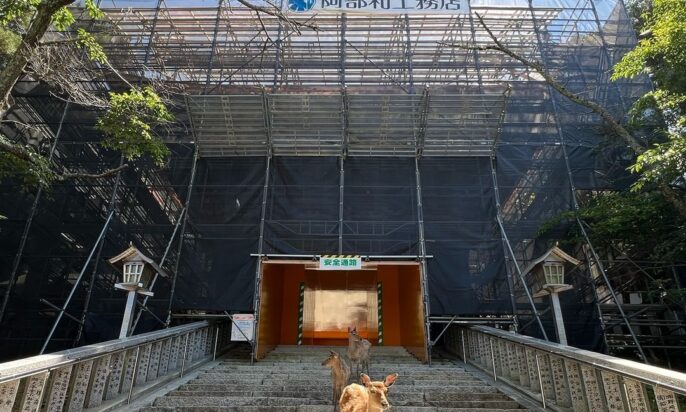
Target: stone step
x: 310, y: 408
x: 479, y: 387
x: 317, y: 365
x: 321, y: 349
x: 394, y: 397
x: 325, y: 374
x: 293, y: 379
x: 323, y: 371
x: 214, y: 401
x: 301, y: 383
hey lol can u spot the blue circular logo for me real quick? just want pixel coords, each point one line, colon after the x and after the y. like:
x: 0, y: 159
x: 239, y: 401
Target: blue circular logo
x: 300, y: 5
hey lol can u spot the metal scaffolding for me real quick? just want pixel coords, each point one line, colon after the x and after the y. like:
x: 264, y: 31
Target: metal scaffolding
x: 371, y: 135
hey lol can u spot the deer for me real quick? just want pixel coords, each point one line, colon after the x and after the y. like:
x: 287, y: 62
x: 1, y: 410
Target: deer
x: 358, y: 350
x: 340, y: 374
x: 368, y: 397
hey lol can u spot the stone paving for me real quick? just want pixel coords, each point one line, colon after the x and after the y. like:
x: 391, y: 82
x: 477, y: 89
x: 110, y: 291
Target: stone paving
x: 291, y: 378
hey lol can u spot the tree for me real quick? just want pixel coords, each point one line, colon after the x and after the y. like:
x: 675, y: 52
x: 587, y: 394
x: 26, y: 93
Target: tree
x: 662, y: 161
x: 129, y: 118
x: 660, y: 53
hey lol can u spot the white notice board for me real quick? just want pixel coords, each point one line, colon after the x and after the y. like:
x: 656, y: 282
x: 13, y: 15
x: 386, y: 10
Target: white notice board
x: 246, y: 323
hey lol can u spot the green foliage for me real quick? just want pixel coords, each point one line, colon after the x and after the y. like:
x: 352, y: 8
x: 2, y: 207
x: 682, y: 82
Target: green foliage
x: 9, y: 42
x: 93, y: 48
x: 93, y: 11
x: 128, y: 124
x: 663, y: 162
x: 663, y: 290
x: 13, y: 10
x: 664, y: 45
x: 641, y: 224
x: 35, y: 172
x: 63, y: 19
x: 661, y: 53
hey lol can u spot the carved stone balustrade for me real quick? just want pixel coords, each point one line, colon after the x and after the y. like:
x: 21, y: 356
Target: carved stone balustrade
x: 564, y: 378
x: 106, y: 375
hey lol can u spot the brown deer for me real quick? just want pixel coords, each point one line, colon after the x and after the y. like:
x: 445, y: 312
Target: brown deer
x: 368, y: 397
x: 358, y: 351
x: 340, y: 374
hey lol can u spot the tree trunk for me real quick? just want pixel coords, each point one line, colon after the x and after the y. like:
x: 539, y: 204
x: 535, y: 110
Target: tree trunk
x: 674, y: 198
x: 15, y: 68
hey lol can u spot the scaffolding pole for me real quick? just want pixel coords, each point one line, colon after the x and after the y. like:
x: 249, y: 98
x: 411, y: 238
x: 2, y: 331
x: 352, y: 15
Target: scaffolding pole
x: 521, y: 277
x: 29, y: 222
x: 179, y: 250
x: 148, y: 47
x: 421, y: 255
x: 408, y: 53
x: 91, y: 282
x: 418, y: 139
x: 496, y: 196
x: 596, y: 300
x: 475, y: 54
x: 344, y: 133
x: 605, y: 49
x: 263, y: 217
x: 76, y: 283
x: 505, y: 239
x: 277, y: 52
x: 341, y: 188
x: 157, y: 275
x: 214, y: 45
x: 570, y: 177
x: 260, y: 247
x: 600, y: 267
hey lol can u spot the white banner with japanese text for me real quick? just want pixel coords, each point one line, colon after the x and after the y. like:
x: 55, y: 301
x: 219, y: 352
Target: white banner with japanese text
x: 380, y: 6
x: 340, y: 262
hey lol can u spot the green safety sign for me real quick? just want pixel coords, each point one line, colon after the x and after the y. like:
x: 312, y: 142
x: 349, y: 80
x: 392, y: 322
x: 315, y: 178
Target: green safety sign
x: 340, y: 262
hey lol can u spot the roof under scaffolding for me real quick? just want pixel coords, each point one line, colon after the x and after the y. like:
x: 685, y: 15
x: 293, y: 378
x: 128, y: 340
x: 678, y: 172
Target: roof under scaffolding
x: 358, y: 85
x: 354, y: 124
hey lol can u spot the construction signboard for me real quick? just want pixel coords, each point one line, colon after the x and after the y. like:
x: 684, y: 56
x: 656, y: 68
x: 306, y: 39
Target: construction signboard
x: 380, y: 6
x: 338, y: 262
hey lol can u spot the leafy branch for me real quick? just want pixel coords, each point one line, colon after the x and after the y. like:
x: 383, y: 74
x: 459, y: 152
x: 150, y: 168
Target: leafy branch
x: 615, y: 125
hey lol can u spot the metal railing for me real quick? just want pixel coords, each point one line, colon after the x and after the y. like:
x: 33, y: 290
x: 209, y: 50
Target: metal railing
x: 564, y: 378
x: 106, y: 375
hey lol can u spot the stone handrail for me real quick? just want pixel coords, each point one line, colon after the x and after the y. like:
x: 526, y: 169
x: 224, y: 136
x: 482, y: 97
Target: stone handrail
x: 108, y: 374
x: 565, y: 378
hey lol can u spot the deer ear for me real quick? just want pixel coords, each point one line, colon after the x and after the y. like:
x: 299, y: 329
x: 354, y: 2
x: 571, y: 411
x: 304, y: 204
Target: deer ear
x: 390, y: 380
x: 334, y: 354
x: 365, y: 380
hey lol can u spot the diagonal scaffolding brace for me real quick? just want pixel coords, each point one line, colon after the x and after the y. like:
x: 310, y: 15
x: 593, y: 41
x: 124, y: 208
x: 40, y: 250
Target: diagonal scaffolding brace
x: 157, y: 275
x: 77, y: 282
x: 179, y: 250
x: 572, y: 187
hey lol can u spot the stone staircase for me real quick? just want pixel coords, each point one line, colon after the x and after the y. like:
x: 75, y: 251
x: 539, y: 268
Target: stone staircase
x: 291, y: 378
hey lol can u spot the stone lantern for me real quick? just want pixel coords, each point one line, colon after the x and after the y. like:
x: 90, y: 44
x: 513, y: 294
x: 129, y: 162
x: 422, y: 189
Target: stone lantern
x: 548, y: 272
x: 137, y: 272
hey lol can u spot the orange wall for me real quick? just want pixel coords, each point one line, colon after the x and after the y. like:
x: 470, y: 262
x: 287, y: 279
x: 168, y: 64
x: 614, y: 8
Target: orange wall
x: 412, y: 311
x: 390, y: 305
x: 271, y: 302
x: 293, y: 275
x: 402, y: 307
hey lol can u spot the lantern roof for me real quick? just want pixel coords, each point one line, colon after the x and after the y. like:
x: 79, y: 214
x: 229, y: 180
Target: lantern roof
x: 133, y: 254
x: 553, y: 254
